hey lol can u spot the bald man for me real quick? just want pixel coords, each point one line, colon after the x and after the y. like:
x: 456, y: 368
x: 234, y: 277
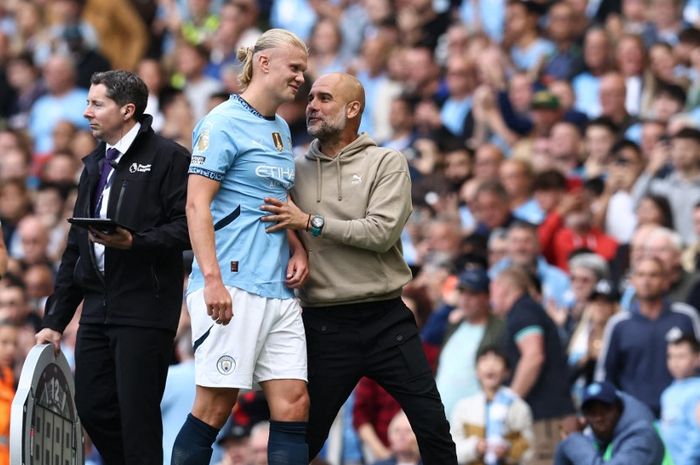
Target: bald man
x: 351, y: 202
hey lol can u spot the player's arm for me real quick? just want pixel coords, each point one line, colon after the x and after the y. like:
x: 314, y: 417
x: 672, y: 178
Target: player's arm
x: 298, y: 265
x: 200, y: 193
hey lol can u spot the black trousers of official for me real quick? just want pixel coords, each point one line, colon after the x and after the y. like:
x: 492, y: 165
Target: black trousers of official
x: 120, y: 374
x: 378, y: 340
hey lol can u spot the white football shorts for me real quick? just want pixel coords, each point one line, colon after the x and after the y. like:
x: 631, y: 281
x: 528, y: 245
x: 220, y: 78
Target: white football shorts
x: 264, y: 340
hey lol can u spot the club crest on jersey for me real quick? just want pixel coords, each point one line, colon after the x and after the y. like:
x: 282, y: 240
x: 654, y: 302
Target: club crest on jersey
x: 225, y: 365
x: 277, y: 139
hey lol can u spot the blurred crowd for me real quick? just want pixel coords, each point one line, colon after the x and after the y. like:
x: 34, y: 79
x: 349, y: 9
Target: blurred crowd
x: 558, y: 136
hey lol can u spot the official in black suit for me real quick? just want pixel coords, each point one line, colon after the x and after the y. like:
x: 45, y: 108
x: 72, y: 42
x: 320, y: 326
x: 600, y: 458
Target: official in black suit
x: 130, y: 281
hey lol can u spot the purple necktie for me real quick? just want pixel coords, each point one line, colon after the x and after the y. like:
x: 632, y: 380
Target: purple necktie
x: 112, y: 155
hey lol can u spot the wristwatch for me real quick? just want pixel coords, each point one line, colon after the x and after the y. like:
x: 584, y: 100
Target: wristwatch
x: 317, y: 223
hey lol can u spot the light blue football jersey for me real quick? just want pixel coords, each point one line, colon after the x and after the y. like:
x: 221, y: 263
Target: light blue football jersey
x: 251, y: 157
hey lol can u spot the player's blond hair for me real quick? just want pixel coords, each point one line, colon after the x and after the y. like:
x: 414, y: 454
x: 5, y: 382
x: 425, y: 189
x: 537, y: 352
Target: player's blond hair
x: 271, y: 38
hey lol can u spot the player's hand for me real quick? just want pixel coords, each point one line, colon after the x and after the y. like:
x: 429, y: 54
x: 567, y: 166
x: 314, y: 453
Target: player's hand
x: 119, y: 239
x: 49, y: 336
x: 286, y: 214
x: 297, y: 270
x: 218, y: 302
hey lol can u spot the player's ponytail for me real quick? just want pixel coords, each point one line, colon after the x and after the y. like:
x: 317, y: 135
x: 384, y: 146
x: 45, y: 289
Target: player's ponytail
x: 271, y: 38
x: 245, y: 56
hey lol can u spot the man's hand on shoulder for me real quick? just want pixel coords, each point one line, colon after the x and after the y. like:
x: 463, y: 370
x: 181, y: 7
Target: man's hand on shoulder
x: 49, y: 336
x: 119, y: 239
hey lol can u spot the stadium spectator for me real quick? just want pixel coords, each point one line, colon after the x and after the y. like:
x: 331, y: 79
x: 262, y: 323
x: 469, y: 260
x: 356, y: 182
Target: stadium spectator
x: 633, y: 356
x: 524, y: 251
x: 599, y: 137
x: 516, y: 175
x: 63, y: 101
x: 680, y: 402
x: 495, y: 424
x: 472, y: 327
x: 535, y: 354
x: 402, y: 443
x: 680, y: 187
x: 566, y: 60
x: 491, y: 208
x: 620, y: 430
x: 616, y: 209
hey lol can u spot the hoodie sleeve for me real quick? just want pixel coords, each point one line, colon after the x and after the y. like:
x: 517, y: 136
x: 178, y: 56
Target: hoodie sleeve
x: 639, y: 446
x: 388, y: 210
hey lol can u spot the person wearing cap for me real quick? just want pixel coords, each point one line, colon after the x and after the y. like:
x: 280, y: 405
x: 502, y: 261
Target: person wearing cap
x: 474, y: 327
x: 633, y: 353
x: 618, y: 430
x: 545, y: 112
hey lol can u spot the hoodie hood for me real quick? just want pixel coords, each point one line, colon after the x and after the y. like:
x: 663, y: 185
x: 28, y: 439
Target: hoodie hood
x: 633, y: 411
x: 362, y: 142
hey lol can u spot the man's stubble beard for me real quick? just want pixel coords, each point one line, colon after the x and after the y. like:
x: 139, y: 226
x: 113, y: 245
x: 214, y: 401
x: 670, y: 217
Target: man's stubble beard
x: 330, y: 128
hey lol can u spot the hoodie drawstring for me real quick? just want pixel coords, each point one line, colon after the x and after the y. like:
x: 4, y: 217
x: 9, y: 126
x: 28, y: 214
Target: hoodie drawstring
x: 318, y: 179
x: 339, y: 173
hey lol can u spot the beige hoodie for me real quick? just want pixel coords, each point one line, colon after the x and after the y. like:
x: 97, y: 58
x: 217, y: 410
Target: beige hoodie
x: 364, y: 195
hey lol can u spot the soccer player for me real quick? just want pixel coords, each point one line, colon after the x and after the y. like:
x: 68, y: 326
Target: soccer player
x: 246, y: 324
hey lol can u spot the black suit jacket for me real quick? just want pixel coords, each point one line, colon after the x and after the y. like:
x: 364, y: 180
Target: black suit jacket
x: 141, y: 286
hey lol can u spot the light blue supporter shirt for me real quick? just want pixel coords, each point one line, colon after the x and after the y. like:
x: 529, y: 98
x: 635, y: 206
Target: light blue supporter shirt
x: 679, y: 426
x: 456, y: 374
x: 250, y: 155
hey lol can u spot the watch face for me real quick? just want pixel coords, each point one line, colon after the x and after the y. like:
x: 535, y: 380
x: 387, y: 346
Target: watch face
x: 317, y: 222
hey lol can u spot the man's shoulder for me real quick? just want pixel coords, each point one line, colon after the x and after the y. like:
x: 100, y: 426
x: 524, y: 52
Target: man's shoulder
x: 525, y: 310
x: 621, y: 319
x: 170, y: 147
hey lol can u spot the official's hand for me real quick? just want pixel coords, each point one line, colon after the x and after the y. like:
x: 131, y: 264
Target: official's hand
x: 218, y: 302
x: 297, y: 270
x: 286, y: 214
x: 119, y: 239
x: 49, y: 336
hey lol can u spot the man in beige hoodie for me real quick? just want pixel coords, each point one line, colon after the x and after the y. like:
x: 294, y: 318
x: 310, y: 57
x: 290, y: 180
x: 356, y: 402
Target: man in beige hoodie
x: 351, y: 202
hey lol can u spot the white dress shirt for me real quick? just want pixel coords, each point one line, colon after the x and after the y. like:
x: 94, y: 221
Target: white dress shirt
x: 122, y: 146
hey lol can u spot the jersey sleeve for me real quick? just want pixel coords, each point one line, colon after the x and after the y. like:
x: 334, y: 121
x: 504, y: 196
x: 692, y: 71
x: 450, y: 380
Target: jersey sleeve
x: 523, y: 323
x: 214, y: 150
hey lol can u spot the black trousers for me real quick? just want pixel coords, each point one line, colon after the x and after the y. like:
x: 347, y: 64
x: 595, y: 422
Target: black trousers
x: 120, y: 376
x: 378, y: 340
